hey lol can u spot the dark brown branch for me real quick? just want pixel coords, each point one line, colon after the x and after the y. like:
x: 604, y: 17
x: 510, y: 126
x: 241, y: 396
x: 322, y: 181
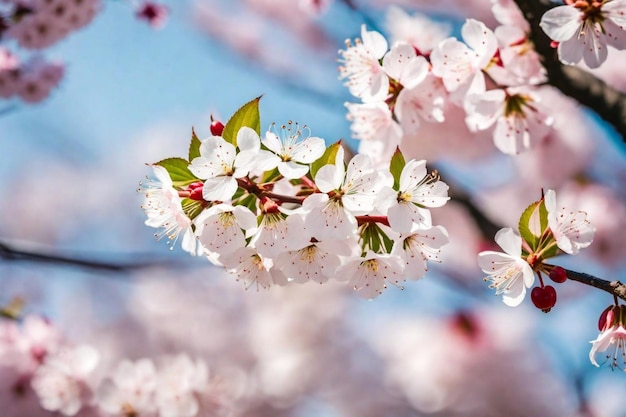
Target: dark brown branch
x: 10, y: 253
x: 588, y: 90
x: 615, y: 288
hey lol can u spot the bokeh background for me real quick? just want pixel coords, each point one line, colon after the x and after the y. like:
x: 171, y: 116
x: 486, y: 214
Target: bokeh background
x: 70, y: 168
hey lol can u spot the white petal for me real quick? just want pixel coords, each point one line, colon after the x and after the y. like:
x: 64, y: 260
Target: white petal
x: 219, y: 188
x: 481, y: 39
x: 561, y: 23
x: 510, y: 241
x: 570, y: 51
x: 273, y: 143
x: 412, y: 173
x: 374, y: 42
x: 309, y: 150
x: 248, y: 140
x: 292, y: 170
x: 328, y: 178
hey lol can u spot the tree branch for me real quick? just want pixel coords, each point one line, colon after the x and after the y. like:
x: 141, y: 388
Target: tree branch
x: 615, y: 288
x: 11, y: 253
x: 587, y: 89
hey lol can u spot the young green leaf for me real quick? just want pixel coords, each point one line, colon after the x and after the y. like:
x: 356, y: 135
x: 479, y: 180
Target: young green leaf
x: 396, y: 166
x: 179, y: 171
x: 194, y: 146
x: 247, y: 115
x: 530, y: 227
x: 328, y: 157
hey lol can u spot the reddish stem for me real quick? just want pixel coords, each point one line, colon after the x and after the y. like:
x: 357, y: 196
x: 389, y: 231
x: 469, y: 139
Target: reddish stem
x: 372, y: 219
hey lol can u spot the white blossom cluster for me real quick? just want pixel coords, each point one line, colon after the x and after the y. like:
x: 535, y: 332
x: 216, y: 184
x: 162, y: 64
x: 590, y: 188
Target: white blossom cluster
x: 256, y: 207
x: 425, y: 76
x: 42, y: 371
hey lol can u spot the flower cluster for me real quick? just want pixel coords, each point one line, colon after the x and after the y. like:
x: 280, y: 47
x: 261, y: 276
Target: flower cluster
x: 39, y: 24
x: 45, y: 372
x: 31, y: 81
x: 545, y: 231
x: 286, y: 208
x: 425, y: 77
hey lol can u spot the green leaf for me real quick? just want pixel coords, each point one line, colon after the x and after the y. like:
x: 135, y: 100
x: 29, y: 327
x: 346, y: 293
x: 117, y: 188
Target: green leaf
x: 178, y: 170
x: 269, y: 176
x: 530, y: 225
x: 194, y: 146
x: 329, y: 156
x: 247, y: 115
x: 396, y: 166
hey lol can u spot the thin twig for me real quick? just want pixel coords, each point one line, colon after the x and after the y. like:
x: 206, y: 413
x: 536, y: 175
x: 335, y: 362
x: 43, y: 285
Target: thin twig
x: 10, y: 253
x: 588, y: 90
x: 616, y: 288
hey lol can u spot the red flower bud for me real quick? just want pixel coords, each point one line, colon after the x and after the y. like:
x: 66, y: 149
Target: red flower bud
x: 216, y: 128
x: 558, y: 274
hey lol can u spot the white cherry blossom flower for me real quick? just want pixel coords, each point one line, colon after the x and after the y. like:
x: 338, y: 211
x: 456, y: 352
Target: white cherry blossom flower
x: 178, y: 384
x: 572, y: 231
x: 404, y: 65
x: 508, y: 273
x: 294, y: 154
x: 612, y: 338
x: 360, y: 64
x: 519, y: 119
x: 370, y: 274
x: 426, y: 101
x: 460, y: 64
x: 130, y: 390
x: 585, y: 28
x: 417, y: 190
x: 315, y: 262
x: 419, y: 246
x: 220, y: 165
x: 374, y: 122
x: 220, y: 228
x: 344, y: 195
x: 60, y: 381
x: 278, y: 233
x: 164, y: 210
x: 252, y: 268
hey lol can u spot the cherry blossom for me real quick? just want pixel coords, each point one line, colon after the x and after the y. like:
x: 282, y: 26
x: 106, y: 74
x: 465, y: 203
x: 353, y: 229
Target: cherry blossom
x: 572, y: 231
x: 612, y: 339
x: 130, y: 390
x: 164, y: 210
x: 420, y: 246
x: 316, y: 262
x: 220, y: 165
x: 508, y: 272
x: 584, y: 29
x: 344, y: 195
x: 252, y: 268
x: 60, y: 383
x: 373, y: 122
x: 417, y: 190
x: 459, y: 64
x: 360, y: 64
x: 220, y: 228
x: 426, y: 101
x: 369, y: 275
x: 519, y: 120
x: 294, y: 154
